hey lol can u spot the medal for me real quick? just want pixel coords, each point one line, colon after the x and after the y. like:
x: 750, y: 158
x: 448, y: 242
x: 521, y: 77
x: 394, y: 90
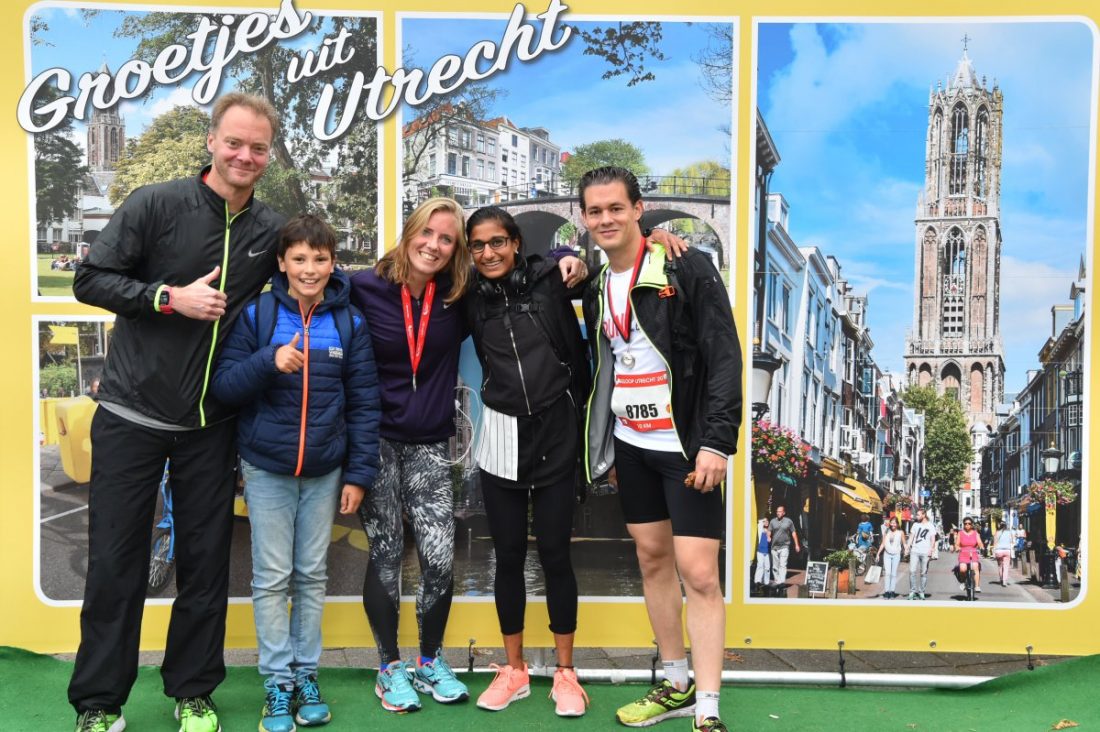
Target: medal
x: 623, y: 328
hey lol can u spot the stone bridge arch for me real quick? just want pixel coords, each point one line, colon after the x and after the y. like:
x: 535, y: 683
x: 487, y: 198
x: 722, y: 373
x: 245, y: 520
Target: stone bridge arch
x: 540, y: 218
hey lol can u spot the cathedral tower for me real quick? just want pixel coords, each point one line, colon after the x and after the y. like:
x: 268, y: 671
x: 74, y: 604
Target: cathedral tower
x: 106, y: 136
x: 955, y: 343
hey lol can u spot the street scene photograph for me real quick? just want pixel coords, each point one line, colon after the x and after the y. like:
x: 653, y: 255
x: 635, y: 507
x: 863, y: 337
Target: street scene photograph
x: 921, y: 247
x: 653, y: 97
x: 83, y: 169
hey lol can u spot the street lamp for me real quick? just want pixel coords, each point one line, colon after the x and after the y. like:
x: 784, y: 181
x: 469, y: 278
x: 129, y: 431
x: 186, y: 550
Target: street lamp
x: 763, y: 368
x: 1052, y: 457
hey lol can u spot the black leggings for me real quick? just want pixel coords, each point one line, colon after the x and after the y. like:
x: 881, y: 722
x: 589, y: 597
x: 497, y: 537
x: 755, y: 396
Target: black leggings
x: 552, y: 507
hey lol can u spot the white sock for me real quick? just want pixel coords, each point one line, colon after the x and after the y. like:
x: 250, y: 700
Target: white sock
x: 706, y: 705
x: 677, y: 673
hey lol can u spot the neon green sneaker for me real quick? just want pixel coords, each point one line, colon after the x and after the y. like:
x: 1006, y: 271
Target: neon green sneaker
x: 197, y: 714
x: 97, y: 720
x: 662, y: 702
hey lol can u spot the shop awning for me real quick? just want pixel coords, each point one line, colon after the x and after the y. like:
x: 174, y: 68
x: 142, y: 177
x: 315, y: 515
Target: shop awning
x: 859, y: 496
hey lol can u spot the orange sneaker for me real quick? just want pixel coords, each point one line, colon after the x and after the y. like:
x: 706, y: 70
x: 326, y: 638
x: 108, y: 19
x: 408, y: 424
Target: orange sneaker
x: 570, y: 700
x: 509, y: 685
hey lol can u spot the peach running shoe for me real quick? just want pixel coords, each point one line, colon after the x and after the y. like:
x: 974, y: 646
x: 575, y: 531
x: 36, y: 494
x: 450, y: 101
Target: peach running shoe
x: 509, y: 685
x: 570, y: 700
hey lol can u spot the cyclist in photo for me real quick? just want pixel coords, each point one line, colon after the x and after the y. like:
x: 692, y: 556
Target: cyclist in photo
x: 968, y: 543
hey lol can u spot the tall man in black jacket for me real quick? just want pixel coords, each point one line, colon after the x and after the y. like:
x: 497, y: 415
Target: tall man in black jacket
x: 663, y: 419
x: 176, y: 263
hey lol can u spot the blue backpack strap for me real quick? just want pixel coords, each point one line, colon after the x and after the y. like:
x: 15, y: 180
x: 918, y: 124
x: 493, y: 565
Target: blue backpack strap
x: 344, y: 318
x: 267, y: 310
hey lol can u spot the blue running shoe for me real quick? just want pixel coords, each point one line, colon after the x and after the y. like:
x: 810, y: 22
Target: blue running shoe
x: 437, y: 678
x: 276, y: 716
x: 310, y: 709
x: 395, y: 689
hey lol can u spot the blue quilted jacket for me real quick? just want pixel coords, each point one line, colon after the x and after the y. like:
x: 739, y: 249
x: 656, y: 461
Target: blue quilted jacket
x: 311, y: 422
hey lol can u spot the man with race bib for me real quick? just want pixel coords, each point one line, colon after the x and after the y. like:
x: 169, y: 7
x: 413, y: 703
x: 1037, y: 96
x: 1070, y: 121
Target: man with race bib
x: 662, y: 423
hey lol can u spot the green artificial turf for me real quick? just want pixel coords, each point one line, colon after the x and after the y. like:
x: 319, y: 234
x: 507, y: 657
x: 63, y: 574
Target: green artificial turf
x: 32, y: 699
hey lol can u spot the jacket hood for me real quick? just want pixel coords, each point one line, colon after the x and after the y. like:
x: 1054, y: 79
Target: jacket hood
x: 337, y: 291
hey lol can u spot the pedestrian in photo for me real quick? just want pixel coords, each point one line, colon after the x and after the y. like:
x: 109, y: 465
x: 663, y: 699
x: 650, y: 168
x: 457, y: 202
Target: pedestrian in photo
x: 1003, y: 544
x: 968, y: 543
x: 176, y: 263
x: 987, y: 539
x: 782, y: 533
x: 300, y: 367
x: 535, y: 379
x: 865, y: 533
x: 893, y: 541
x: 762, y: 575
x: 922, y: 540
x: 413, y: 304
x: 663, y: 420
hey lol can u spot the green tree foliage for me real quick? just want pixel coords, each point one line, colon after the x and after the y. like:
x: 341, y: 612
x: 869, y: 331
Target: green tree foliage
x: 707, y: 177
x: 947, y: 449
x: 58, y: 379
x: 57, y: 176
x: 57, y: 168
x: 263, y: 72
x: 627, y: 48
x: 173, y: 146
x: 604, y: 152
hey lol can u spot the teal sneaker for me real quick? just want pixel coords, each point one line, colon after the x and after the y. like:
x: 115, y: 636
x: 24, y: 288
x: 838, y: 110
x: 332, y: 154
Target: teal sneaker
x: 197, y: 714
x: 97, y: 720
x: 275, y: 716
x: 310, y: 709
x: 395, y: 689
x: 437, y: 678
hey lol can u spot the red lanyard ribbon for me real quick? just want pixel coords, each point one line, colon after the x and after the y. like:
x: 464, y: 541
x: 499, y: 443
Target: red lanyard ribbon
x: 416, y: 342
x: 624, y: 326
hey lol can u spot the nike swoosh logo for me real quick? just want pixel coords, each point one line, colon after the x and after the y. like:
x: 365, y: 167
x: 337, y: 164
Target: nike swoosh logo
x: 446, y: 305
x: 256, y: 254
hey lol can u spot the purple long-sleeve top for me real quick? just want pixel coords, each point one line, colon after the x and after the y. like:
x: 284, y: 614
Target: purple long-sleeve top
x: 427, y: 414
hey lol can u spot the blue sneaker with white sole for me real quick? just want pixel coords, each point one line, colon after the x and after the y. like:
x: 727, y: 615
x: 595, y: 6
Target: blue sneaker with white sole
x: 436, y: 678
x: 394, y: 687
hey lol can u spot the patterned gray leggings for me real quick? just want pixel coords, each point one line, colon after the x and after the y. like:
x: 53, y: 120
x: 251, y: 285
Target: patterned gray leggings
x: 413, y: 479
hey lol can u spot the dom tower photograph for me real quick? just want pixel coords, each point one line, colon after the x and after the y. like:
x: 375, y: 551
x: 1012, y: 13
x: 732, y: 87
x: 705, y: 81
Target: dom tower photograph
x: 955, y: 344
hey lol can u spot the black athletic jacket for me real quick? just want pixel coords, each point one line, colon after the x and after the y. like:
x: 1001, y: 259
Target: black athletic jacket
x: 171, y: 234
x: 683, y: 308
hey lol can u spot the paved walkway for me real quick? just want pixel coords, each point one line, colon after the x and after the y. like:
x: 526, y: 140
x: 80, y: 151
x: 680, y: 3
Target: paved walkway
x: 942, y: 585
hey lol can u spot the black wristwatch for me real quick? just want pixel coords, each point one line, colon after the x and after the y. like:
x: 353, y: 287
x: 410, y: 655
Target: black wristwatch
x: 164, y: 301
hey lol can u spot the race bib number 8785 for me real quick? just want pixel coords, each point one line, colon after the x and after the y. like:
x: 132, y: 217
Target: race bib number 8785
x: 642, y: 401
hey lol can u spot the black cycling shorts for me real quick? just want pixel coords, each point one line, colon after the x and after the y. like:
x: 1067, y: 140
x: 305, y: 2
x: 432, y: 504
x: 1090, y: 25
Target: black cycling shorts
x: 651, y: 488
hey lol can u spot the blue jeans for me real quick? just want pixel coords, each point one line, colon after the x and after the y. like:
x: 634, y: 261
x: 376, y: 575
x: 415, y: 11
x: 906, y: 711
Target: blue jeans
x: 291, y: 529
x: 890, y: 564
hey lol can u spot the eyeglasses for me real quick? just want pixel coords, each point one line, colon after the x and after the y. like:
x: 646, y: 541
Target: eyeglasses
x: 497, y: 242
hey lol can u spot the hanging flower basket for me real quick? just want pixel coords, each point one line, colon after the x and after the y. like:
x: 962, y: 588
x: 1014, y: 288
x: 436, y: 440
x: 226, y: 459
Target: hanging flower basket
x: 1050, y: 492
x: 778, y: 450
x: 897, y: 501
x: 995, y: 513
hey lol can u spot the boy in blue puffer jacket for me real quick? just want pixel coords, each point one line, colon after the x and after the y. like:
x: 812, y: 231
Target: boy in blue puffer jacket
x: 308, y: 438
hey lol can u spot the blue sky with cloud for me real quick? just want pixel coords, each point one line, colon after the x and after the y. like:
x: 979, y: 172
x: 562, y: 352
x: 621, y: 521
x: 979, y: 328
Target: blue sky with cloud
x: 671, y: 118
x: 847, y: 106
